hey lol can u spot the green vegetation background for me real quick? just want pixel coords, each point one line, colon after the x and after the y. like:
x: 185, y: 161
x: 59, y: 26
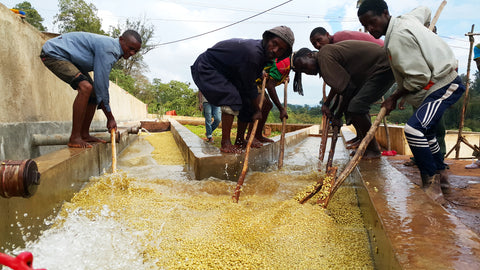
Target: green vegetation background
x: 79, y: 15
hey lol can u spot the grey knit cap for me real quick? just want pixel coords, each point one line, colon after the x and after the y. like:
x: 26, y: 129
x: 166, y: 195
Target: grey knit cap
x: 283, y: 32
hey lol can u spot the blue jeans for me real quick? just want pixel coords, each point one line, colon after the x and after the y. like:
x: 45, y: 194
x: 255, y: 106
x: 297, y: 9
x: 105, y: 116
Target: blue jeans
x: 210, y: 111
x: 420, y: 129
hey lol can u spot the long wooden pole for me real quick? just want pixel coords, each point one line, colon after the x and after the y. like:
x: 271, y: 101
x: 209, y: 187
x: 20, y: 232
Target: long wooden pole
x: 437, y: 15
x: 333, y: 144
x: 284, y: 128
x: 325, y: 126
x: 113, y: 135
x: 241, y: 179
x: 460, y: 138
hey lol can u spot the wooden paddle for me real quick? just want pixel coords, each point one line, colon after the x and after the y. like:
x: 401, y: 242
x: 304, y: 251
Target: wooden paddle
x: 241, y: 179
x: 284, y: 128
x: 113, y: 135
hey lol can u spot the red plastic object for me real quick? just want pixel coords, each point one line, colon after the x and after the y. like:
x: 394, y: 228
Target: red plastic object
x: 23, y: 261
x: 173, y: 112
x: 389, y: 153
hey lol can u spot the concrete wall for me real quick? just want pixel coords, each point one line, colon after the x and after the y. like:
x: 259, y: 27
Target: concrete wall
x: 398, y: 142
x: 33, y: 100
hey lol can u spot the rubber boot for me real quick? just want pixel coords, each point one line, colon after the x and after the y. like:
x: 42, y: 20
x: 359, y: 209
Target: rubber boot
x: 434, y: 190
x: 425, y: 181
x: 444, y: 179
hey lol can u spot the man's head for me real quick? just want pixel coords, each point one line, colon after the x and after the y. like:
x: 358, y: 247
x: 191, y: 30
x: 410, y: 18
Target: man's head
x: 278, y: 42
x: 303, y: 61
x: 131, y: 42
x: 320, y: 37
x: 374, y: 16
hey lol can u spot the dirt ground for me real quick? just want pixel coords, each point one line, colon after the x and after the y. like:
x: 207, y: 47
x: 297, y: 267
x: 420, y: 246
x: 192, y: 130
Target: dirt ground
x: 463, y: 196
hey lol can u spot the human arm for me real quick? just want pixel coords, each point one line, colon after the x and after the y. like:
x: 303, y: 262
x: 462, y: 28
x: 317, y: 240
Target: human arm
x: 271, y: 83
x: 391, y: 102
x: 102, y: 66
x: 342, y: 99
x: 409, y: 62
x: 423, y: 14
x: 111, y: 123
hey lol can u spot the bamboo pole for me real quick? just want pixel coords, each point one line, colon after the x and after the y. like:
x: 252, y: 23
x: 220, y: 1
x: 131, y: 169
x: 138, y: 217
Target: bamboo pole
x: 284, y: 128
x: 241, y: 179
x: 113, y: 135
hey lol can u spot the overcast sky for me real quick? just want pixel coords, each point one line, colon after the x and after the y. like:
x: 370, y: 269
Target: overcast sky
x: 179, y: 19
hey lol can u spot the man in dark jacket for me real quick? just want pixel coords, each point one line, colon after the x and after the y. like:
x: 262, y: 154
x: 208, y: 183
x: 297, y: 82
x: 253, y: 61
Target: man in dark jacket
x: 226, y: 74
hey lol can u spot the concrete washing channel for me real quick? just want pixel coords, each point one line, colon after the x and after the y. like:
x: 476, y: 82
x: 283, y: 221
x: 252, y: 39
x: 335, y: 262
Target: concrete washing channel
x: 404, y: 228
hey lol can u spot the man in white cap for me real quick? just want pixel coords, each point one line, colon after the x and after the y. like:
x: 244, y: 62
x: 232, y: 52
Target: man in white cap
x: 226, y: 74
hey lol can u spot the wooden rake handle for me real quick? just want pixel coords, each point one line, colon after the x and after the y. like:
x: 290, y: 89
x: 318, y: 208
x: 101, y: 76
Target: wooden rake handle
x: 113, y: 135
x: 284, y: 128
x: 241, y: 179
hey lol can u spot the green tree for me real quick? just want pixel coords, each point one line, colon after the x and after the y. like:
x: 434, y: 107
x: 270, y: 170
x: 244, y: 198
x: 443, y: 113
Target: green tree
x: 32, y: 16
x: 135, y: 64
x: 77, y: 15
x: 126, y: 82
x: 174, y: 95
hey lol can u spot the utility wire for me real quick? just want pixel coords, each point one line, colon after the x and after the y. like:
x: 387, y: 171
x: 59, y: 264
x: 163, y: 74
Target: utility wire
x: 226, y: 26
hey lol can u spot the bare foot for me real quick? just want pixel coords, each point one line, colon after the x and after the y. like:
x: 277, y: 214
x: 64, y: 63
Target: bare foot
x: 256, y: 143
x: 79, y: 144
x: 243, y: 144
x: 232, y: 149
x: 90, y: 138
x: 264, y: 139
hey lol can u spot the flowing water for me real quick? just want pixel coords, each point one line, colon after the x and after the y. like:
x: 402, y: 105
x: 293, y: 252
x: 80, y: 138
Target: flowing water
x: 150, y: 215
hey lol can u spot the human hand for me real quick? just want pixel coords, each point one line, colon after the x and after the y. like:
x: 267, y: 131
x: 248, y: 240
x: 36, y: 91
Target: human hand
x: 283, y: 114
x: 401, y: 104
x: 389, y: 104
x: 326, y: 111
x: 111, y: 124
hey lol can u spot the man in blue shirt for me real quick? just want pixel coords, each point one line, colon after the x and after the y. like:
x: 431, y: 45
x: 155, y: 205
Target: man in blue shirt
x: 71, y: 56
x: 226, y: 74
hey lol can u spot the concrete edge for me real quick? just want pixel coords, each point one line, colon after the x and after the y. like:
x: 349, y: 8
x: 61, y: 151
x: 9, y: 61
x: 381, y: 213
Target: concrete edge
x: 63, y: 173
x: 204, y: 160
x: 407, y: 230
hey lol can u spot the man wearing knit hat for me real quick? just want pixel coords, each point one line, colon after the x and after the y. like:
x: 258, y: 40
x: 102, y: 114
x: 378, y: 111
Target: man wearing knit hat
x: 226, y: 74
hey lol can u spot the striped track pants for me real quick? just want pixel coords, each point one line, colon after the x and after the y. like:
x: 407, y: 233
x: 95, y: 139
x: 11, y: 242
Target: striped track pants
x: 420, y: 128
